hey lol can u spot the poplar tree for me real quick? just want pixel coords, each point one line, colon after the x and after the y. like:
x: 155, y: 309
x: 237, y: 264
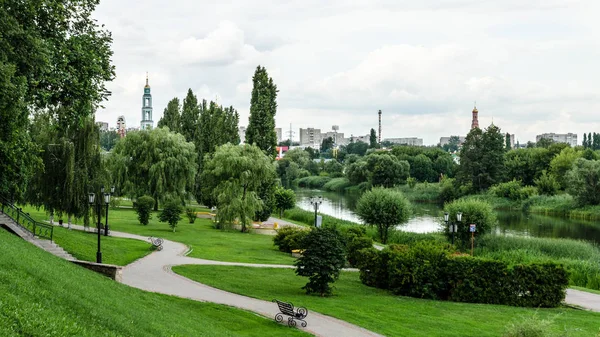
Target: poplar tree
x: 190, y: 114
x: 584, y: 143
x: 373, y: 139
x: 263, y: 107
x: 507, y: 146
x: 171, y: 116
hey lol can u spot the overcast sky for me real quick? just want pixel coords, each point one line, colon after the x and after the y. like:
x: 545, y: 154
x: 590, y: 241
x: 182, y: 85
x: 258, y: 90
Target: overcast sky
x: 532, y: 66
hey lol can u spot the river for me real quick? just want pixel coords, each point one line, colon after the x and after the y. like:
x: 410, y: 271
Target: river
x: 426, y: 218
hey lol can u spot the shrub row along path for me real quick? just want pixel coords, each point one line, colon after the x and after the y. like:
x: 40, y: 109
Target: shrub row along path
x: 153, y: 273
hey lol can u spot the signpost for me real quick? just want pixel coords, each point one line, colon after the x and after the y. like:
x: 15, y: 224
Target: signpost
x: 472, y: 229
x: 319, y: 221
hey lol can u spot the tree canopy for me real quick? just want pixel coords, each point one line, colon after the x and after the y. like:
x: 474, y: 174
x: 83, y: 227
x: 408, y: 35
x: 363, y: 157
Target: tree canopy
x: 232, y: 178
x: 263, y: 108
x: 384, y: 209
x: 157, y: 162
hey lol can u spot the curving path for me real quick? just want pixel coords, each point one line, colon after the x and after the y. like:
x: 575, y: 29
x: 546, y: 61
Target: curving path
x: 153, y: 273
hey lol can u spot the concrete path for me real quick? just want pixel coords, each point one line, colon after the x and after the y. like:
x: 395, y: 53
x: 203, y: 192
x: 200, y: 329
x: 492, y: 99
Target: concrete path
x: 153, y: 273
x: 583, y: 299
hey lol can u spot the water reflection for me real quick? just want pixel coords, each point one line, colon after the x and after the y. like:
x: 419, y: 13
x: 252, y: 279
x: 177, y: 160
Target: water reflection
x: 426, y: 218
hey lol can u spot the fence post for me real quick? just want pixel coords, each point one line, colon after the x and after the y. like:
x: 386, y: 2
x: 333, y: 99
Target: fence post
x: 18, y: 211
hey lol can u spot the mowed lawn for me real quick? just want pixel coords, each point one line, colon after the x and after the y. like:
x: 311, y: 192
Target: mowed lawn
x: 205, y: 241
x: 43, y: 295
x: 382, y: 312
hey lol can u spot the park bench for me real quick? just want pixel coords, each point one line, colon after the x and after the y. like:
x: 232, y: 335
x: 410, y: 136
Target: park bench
x: 156, y: 242
x: 287, y: 309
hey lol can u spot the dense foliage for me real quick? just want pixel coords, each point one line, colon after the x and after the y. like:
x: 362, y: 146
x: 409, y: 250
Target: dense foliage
x: 477, y: 212
x: 263, y: 108
x: 428, y: 270
x: 231, y: 180
x: 383, y: 208
x: 171, y: 213
x: 322, y: 260
x: 143, y: 207
x: 584, y: 181
x: 284, y: 199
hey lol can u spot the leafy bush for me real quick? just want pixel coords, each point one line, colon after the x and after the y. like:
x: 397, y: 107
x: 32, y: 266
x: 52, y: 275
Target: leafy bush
x: 384, y: 209
x: 191, y: 214
x: 289, y: 238
x: 115, y: 202
x: 547, y: 184
x: 337, y: 185
x: 513, y: 190
x: 584, y: 182
x: 430, y: 270
x: 143, y: 208
x: 473, y: 211
x: 284, y: 199
x: 171, y: 213
x: 411, y: 182
x: 448, y: 191
x: 356, y: 240
x: 322, y: 260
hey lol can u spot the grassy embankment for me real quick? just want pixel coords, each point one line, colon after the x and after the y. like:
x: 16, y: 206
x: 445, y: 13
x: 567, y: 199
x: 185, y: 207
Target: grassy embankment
x: 206, y: 241
x: 383, y: 312
x: 43, y: 295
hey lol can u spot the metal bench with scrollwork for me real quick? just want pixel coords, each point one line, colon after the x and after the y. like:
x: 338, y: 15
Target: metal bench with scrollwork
x: 287, y: 309
x: 156, y: 242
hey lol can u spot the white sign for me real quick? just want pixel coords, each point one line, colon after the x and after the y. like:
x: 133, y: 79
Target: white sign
x: 472, y: 228
x: 319, y: 221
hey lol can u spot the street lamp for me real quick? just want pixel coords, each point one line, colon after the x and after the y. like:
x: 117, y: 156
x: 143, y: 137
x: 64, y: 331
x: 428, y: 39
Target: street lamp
x: 316, y: 202
x: 92, y: 199
x: 107, y: 202
x: 453, y: 228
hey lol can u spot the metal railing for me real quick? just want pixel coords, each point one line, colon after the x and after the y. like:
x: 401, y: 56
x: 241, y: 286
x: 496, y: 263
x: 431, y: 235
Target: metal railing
x: 25, y: 221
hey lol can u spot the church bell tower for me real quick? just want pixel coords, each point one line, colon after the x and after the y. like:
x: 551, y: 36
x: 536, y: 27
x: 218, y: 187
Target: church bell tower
x: 147, y: 122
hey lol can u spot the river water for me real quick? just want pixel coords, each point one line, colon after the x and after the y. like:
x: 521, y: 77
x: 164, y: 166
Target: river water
x: 427, y: 217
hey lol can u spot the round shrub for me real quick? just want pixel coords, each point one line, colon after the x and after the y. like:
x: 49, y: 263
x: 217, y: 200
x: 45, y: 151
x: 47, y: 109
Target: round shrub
x: 384, y: 209
x: 143, y: 208
x: 474, y: 211
x: 289, y: 238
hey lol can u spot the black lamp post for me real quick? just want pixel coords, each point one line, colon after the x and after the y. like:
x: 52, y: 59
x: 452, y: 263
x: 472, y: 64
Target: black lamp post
x: 92, y: 200
x: 453, y: 228
x: 107, y: 202
x: 316, y: 202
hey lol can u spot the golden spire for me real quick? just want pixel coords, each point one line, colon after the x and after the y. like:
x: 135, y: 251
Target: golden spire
x: 147, y: 85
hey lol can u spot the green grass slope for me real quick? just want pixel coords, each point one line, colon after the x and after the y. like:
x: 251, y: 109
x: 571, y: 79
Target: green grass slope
x: 42, y: 295
x: 382, y: 312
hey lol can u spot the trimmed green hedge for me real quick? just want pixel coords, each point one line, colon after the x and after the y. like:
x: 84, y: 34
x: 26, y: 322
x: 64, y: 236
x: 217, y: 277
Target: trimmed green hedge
x: 434, y: 271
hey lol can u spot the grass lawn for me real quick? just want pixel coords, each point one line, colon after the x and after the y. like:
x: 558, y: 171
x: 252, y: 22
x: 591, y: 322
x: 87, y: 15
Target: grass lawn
x: 43, y: 295
x: 83, y: 246
x: 379, y: 311
x: 206, y: 241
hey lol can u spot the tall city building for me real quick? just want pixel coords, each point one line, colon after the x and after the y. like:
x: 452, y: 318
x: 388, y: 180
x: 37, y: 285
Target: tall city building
x: 475, y: 121
x: 569, y: 138
x: 414, y: 141
x: 147, y: 122
x: 310, y: 137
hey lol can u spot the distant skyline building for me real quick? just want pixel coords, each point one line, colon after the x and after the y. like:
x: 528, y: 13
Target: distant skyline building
x: 242, y: 134
x: 475, y: 121
x: 310, y: 137
x: 103, y: 126
x: 446, y: 140
x: 279, y: 133
x: 414, y: 141
x: 147, y: 122
x: 569, y: 138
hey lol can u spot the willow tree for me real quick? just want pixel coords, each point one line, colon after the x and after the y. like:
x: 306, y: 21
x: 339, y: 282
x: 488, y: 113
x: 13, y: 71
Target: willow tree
x: 234, y: 174
x: 53, y: 57
x: 158, y: 163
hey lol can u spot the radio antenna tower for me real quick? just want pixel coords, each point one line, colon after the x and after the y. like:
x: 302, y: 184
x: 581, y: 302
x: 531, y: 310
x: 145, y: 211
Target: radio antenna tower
x: 379, y: 140
x: 290, y: 134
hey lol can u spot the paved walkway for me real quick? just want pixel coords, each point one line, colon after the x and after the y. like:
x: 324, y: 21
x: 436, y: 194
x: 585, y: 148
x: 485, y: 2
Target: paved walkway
x: 153, y: 273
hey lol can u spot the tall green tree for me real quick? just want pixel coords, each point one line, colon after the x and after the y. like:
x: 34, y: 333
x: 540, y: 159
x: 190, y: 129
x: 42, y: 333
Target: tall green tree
x: 562, y: 163
x: 108, y: 139
x: 156, y: 163
x: 53, y: 57
x: 190, y: 114
x: 171, y: 116
x: 373, y: 139
x: 584, y: 143
x: 507, y: 146
x: 233, y: 176
x: 584, y: 182
x: 263, y: 107
x: 482, y: 158
x: 452, y: 145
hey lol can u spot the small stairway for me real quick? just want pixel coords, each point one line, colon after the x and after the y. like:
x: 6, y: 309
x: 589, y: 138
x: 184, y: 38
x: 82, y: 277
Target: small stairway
x: 47, y: 245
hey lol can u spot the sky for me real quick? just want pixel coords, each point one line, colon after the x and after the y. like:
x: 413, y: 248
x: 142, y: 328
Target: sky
x: 530, y: 66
